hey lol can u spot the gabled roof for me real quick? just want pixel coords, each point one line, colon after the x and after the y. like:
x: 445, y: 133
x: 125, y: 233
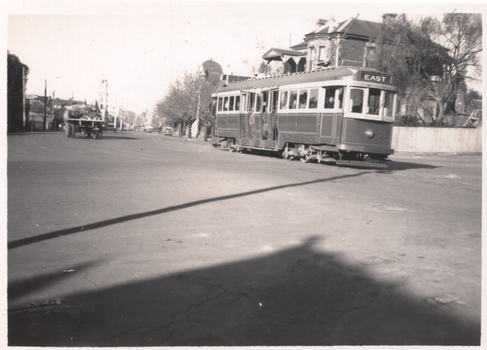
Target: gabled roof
x: 358, y: 29
x: 277, y: 54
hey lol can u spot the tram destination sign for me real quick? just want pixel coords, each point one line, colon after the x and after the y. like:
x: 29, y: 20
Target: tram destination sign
x: 376, y: 78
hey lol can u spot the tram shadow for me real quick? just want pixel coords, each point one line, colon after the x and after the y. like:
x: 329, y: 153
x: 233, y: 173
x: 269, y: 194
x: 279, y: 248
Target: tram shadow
x: 395, y: 165
x: 107, y: 137
x: 387, y: 166
x: 296, y: 296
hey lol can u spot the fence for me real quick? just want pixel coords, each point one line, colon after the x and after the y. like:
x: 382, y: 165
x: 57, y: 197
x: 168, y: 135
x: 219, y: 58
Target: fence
x: 437, y: 140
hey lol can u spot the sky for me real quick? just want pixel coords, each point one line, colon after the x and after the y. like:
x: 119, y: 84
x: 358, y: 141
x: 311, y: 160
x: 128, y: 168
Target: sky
x: 141, y: 47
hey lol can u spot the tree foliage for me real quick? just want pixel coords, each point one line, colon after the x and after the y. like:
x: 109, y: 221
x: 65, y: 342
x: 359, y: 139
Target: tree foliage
x: 187, y: 99
x: 15, y: 91
x: 430, y: 60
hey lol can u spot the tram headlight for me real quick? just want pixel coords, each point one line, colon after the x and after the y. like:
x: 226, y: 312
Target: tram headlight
x: 369, y: 133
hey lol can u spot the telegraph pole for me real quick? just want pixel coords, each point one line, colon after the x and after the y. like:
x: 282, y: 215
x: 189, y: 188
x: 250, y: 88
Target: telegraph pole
x: 25, y: 122
x: 45, y: 106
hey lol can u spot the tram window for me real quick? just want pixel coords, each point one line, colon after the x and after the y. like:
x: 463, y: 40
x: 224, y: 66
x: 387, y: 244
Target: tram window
x: 232, y: 103
x: 283, y: 104
x: 356, y: 101
x: 259, y: 103
x: 389, y: 104
x: 225, y: 104
x: 313, y: 98
x: 237, y: 103
x: 330, y: 98
x: 265, y: 98
x: 251, y: 101
x: 293, y: 96
x: 273, y: 103
x: 303, y: 98
x: 374, y: 101
x: 220, y: 104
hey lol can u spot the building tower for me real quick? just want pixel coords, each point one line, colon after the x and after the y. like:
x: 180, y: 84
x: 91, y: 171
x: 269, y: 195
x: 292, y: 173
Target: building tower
x: 103, y: 98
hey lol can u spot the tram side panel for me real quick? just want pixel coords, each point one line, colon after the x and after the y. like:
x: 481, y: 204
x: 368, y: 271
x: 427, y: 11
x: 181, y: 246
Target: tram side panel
x: 227, y: 126
x: 298, y: 128
x: 330, y: 128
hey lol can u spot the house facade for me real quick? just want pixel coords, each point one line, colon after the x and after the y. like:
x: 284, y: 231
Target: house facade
x: 349, y: 43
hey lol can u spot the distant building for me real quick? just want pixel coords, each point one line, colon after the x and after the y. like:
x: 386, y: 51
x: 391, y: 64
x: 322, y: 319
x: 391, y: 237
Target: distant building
x: 36, y: 108
x: 214, y: 71
x: 232, y: 78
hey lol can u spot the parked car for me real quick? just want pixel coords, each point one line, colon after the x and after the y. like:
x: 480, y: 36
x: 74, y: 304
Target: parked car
x: 167, y: 131
x: 149, y: 128
x: 109, y: 127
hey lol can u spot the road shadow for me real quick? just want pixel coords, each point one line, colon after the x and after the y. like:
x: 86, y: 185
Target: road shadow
x: 31, y: 285
x: 296, y: 296
x: 91, y: 226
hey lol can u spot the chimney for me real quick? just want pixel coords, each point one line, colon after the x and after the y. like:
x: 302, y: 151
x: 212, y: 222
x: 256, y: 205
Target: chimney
x: 320, y: 22
x: 386, y: 17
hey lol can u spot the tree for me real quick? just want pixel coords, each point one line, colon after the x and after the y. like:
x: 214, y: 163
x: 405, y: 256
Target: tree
x: 188, y: 98
x: 17, y: 76
x: 461, y: 34
x: 405, y: 50
x: 429, y: 74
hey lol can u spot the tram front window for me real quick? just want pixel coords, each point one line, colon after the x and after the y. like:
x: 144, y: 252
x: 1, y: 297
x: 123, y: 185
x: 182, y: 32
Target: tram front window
x: 373, y: 105
x: 389, y: 104
x: 356, y: 101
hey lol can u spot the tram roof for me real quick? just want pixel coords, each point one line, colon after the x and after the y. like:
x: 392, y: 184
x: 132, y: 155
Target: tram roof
x: 324, y: 74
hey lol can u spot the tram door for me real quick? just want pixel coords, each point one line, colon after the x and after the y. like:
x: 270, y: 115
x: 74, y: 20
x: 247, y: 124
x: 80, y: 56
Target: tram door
x: 272, y: 125
x: 332, y: 115
x: 244, y: 119
x: 213, y: 116
x: 265, y: 116
x: 247, y: 115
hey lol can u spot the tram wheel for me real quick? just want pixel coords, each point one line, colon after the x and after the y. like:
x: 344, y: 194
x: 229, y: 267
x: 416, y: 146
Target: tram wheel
x: 306, y: 157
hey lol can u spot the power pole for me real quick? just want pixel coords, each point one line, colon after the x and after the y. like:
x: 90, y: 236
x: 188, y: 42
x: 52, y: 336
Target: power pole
x: 25, y: 122
x: 45, y: 106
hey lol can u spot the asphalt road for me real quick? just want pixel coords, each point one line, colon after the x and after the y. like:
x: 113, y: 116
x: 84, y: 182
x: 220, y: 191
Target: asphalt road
x: 143, y: 240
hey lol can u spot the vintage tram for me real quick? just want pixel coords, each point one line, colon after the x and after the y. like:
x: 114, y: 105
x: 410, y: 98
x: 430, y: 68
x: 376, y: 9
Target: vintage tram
x: 341, y: 115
